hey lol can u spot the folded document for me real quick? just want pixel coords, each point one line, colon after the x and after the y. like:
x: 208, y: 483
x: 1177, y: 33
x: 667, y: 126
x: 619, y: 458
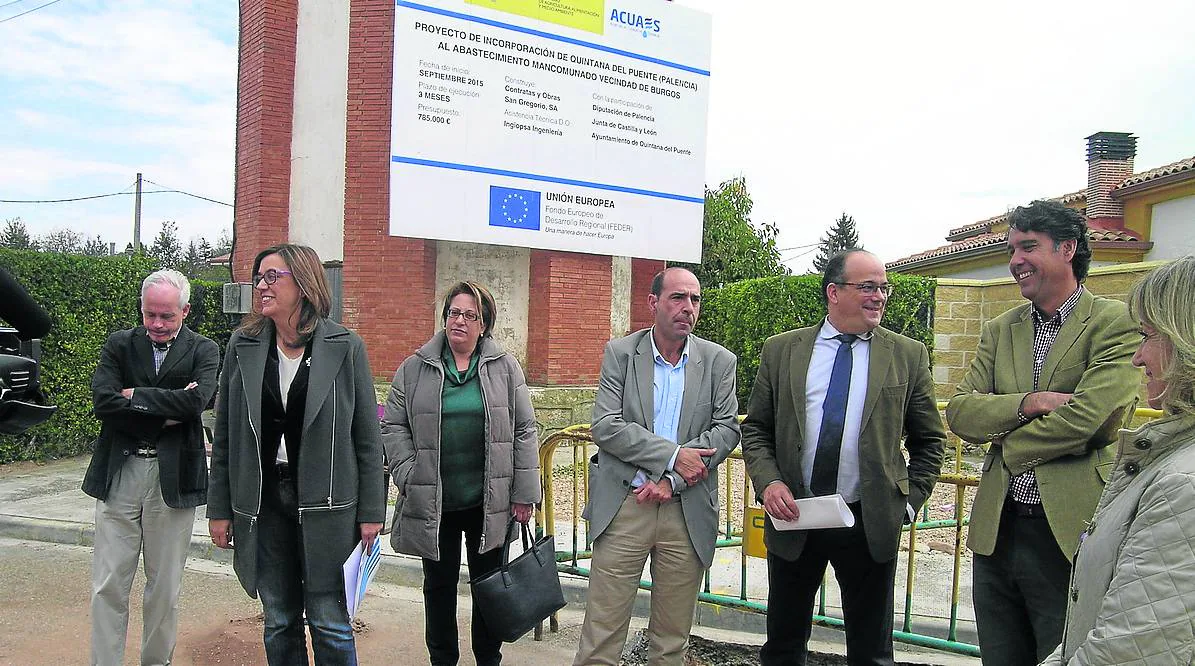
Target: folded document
x: 817, y: 513
x: 359, y: 570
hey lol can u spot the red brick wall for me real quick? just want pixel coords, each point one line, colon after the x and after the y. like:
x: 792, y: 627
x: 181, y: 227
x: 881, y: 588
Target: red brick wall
x: 568, y: 317
x: 642, y: 271
x: 389, y: 282
x: 265, y: 109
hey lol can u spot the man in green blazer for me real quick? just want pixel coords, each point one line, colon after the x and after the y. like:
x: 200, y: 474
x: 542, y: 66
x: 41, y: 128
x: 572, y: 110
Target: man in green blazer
x: 828, y: 410
x: 1049, y: 387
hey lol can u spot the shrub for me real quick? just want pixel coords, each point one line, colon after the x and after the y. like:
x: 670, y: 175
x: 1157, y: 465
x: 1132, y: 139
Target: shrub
x: 741, y: 315
x: 88, y: 298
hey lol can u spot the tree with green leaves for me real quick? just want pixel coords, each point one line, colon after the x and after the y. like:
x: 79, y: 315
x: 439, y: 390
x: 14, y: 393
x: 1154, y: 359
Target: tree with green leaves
x: 194, y: 261
x: 15, y: 236
x: 95, y: 247
x: 841, y: 236
x: 732, y: 247
x: 62, y: 241
x: 166, y: 249
x: 223, y: 243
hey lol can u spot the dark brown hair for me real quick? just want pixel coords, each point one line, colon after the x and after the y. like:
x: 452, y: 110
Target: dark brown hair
x: 308, y: 273
x: 485, y: 301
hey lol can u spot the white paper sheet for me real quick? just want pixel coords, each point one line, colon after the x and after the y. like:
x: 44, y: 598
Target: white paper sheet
x: 818, y: 513
x: 359, y: 570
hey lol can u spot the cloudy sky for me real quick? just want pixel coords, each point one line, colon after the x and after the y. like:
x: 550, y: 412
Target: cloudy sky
x: 912, y: 117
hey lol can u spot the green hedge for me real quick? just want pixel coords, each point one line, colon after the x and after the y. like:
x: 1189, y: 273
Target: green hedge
x: 88, y: 298
x: 741, y: 315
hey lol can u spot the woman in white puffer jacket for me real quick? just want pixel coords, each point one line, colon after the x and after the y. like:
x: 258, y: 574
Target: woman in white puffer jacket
x: 1132, y: 594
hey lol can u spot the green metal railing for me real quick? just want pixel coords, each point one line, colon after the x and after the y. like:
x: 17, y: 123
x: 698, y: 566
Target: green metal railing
x: 578, y: 440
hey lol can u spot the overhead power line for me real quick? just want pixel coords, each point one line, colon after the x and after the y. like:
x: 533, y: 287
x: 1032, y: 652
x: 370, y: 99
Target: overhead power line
x: 28, y: 11
x: 114, y: 194
x: 42, y: 201
x: 177, y: 191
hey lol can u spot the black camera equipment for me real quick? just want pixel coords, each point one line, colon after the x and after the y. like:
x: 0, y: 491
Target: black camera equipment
x: 22, y: 402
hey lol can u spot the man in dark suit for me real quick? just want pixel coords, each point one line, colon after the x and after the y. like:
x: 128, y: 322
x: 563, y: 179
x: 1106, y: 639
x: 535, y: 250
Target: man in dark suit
x: 827, y: 413
x: 664, y: 418
x: 149, y: 469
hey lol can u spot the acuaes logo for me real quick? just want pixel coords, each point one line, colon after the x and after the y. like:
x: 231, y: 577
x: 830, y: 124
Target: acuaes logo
x: 638, y: 22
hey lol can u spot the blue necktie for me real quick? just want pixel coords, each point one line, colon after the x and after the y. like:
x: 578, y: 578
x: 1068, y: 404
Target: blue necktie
x: 824, y: 480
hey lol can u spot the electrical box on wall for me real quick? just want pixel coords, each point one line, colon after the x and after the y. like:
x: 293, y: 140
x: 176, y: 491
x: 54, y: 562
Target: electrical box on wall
x: 238, y: 297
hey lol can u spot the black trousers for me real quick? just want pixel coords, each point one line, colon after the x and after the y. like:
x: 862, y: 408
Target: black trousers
x: 1020, y: 593
x: 439, y: 590
x: 866, y: 587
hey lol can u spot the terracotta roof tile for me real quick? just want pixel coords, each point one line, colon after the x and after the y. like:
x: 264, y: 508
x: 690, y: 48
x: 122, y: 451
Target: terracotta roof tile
x: 964, y: 231
x: 971, y: 243
x: 987, y: 239
x: 1146, y: 176
x: 1110, y: 235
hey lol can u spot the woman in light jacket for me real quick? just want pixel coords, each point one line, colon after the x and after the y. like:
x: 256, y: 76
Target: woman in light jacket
x: 1132, y: 597
x: 459, y: 432
x: 296, y: 474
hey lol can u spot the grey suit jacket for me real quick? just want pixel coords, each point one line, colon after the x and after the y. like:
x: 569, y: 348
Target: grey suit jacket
x: 623, y: 430
x: 900, y: 404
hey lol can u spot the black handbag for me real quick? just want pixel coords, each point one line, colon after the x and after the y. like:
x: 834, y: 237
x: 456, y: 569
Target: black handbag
x: 522, y: 592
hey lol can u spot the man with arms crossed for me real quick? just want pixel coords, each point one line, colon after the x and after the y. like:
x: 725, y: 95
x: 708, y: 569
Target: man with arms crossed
x: 828, y: 410
x: 1050, y: 385
x: 149, y: 469
x: 663, y: 420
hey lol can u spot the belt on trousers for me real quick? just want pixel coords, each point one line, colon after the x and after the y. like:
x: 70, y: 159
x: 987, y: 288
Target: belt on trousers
x: 146, y: 452
x: 1023, y: 510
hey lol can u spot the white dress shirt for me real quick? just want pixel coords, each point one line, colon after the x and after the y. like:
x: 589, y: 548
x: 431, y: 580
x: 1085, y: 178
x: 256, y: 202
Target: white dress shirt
x: 817, y: 383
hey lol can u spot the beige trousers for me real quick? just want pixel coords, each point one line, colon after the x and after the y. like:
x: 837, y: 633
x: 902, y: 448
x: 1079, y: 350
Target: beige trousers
x: 619, y: 554
x: 134, y: 521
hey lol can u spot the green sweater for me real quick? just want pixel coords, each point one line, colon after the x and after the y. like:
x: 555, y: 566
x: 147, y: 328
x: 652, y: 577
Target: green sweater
x: 462, y: 435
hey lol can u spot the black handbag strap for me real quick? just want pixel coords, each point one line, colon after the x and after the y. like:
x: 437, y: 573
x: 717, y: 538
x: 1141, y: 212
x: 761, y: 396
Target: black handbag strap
x: 512, y: 533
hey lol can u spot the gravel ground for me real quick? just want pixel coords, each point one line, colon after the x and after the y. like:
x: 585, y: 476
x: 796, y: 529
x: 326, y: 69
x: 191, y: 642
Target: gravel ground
x: 702, y: 652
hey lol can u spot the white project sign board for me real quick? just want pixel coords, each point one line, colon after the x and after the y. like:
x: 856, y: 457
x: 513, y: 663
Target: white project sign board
x: 573, y: 125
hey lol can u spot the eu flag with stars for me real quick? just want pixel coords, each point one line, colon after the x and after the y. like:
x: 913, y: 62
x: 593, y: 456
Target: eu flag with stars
x: 514, y: 208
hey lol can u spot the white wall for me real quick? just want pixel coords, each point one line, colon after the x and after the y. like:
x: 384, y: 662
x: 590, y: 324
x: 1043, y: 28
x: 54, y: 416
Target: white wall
x: 320, y: 125
x: 1172, y: 229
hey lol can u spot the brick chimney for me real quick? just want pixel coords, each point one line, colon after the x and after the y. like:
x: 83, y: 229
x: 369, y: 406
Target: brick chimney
x: 1109, y: 161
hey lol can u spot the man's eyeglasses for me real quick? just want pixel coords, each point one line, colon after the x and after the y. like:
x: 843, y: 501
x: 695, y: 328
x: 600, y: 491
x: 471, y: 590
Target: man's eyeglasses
x: 270, y: 276
x: 469, y: 315
x: 870, y: 288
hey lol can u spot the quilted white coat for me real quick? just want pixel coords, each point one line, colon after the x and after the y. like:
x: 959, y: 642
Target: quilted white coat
x: 1133, y: 588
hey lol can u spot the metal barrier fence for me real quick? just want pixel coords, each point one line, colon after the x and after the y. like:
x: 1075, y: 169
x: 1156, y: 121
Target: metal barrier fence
x: 736, y: 533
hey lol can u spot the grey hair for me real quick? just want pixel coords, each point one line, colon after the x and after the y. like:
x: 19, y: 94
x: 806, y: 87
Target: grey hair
x: 172, y: 278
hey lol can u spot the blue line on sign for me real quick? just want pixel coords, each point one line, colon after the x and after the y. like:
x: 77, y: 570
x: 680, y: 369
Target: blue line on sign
x: 547, y: 179
x: 548, y: 35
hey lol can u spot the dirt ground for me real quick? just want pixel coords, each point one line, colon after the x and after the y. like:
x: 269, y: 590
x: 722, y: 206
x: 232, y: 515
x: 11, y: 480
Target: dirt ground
x: 44, y: 617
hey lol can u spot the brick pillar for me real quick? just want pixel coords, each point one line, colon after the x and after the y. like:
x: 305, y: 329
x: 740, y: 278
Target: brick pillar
x: 389, y: 281
x: 1109, y: 161
x: 642, y: 272
x: 568, y: 317
x: 265, y: 110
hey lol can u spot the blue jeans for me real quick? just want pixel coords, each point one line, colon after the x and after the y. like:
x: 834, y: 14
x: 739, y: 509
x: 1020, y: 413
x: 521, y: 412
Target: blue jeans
x: 284, y: 598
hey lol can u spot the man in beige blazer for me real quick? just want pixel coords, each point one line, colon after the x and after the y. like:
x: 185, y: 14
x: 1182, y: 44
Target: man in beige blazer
x: 1050, y: 385
x: 664, y: 418
x: 828, y: 411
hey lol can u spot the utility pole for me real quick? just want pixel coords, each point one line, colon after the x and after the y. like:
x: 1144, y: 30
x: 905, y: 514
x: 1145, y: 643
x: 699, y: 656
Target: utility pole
x: 137, y: 218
